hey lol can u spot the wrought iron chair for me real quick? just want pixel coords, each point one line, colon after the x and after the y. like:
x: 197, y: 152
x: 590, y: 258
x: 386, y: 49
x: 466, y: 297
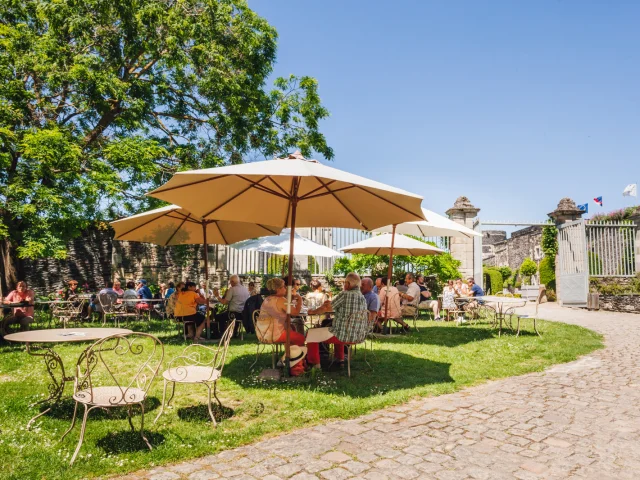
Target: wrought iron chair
x: 116, y: 371
x: 198, y: 364
x: 108, y: 302
x: 363, y: 331
x: 533, y: 317
x: 66, y: 311
x: 264, y: 337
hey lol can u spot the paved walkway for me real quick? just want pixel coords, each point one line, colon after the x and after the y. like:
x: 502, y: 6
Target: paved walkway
x: 577, y: 420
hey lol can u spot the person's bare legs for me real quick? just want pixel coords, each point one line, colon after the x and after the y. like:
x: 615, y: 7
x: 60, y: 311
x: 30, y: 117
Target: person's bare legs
x: 199, y: 330
x: 436, y: 310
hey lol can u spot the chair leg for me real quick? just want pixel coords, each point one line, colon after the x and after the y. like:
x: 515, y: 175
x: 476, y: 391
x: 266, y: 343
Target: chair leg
x: 215, y: 394
x: 213, y: 419
x: 349, y: 361
x: 129, y: 414
x: 73, y: 422
x: 534, y: 327
x: 518, y: 332
x: 82, y: 430
x: 173, y: 392
x: 142, y: 427
x: 164, y: 396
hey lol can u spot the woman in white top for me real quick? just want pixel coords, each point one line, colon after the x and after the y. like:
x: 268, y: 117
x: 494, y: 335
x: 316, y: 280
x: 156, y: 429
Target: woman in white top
x: 270, y: 326
x: 448, y: 297
x: 316, y: 298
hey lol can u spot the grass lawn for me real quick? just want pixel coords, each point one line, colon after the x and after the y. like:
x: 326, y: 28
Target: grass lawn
x: 441, y: 358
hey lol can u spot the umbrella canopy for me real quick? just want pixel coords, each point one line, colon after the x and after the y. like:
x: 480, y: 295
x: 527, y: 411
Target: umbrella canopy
x: 172, y: 225
x: 281, y: 245
x: 435, y: 226
x: 265, y: 192
x: 403, y: 245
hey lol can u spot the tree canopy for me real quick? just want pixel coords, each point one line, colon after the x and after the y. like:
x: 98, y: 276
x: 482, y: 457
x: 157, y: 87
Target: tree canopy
x: 102, y: 100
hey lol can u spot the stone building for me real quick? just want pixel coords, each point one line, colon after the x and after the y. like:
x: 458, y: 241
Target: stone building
x: 498, y: 251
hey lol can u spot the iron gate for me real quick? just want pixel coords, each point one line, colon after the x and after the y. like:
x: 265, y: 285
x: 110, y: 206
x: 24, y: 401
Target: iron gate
x: 573, y: 268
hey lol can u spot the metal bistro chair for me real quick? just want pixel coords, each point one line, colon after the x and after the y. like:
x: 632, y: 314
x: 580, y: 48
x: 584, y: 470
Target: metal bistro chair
x: 116, y: 371
x: 362, y: 330
x: 66, y: 311
x: 534, y: 317
x: 264, y: 333
x: 413, y: 317
x: 198, y: 364
x: 110, y: 308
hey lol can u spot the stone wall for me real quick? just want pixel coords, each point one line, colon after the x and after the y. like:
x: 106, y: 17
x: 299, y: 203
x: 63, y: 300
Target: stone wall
x: 620, y: 303
x: 511, y: 252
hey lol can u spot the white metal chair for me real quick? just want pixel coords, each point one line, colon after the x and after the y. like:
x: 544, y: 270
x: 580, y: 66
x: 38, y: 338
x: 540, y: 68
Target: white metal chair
x: 116, y: 371
x: 198, y: 364
x: 66, y: 311
x: 264, y: 337
x: 533, y: 317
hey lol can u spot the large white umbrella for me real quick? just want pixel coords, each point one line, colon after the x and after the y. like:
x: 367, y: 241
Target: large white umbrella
x: 290, y: 192
x: 434, y: 226
x: 390, y: 244
x: 281, y: 245
x: 403, y: 245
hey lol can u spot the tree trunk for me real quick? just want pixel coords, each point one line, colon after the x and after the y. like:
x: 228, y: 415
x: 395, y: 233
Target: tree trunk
x: 10, y: 266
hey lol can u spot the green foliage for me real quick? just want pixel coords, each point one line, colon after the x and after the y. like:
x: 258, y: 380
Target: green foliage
x: 617, y: 215
x: 595, y: 264
x: 493, y: 281
x: 102, y: 101
x: 444, y: 266
x: 505, y: 271
x: 549, y: 242
x: 615, y: 285
x: 551, y: 295
x: 548, y: 272
x: 528, y: 268
x: 314, y: 268
x: 278, y: 265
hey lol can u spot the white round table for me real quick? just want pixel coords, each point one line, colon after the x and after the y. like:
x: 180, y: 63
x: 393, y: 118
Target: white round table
x: 502, y: 306
x: 45, y: 340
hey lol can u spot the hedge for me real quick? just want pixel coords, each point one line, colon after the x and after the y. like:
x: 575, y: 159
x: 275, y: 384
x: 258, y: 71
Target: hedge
x: 494, y: 277
x: 548, y: 272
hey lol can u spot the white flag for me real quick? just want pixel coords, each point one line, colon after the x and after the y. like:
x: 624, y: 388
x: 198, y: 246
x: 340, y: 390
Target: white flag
x: 631, y: 190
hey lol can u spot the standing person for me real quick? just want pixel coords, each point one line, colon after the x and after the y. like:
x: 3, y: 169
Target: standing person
x: 23, y: 314
x: 271, y: 324
x: 348, y: 326
x: 235, y: 298
x: 373, y: 302
x: 186, y: 310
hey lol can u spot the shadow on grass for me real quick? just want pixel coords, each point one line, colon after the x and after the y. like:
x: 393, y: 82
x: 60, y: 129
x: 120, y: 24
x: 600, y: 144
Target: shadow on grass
x: 390, y: 370
x: 200, y: 413
x: 64, y: 410
x: 128, y: 441
x: 449, y: 336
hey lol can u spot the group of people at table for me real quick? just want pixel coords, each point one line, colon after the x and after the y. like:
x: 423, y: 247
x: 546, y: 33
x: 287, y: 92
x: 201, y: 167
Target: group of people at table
x: 347, y: 316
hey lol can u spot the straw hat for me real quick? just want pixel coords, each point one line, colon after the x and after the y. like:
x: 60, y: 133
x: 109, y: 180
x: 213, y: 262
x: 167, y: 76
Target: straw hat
x: 297, y: 354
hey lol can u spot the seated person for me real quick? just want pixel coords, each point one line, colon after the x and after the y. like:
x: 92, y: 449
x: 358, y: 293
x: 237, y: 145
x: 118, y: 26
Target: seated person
x: 95, y: 306
x: 130, y: 296
x: 144, y: 293
x: 400, y: 285
x: 185, y: 309
x: 373, y: 302
x: 117, y: 287
x: 426, y: 302
x: 170, y: 289
x: 350, y: 322
x: 462, y: 290
x: 316, y: 297
x: 253, y: 303
x: 475, y: 290
x: 271, y: 324
x: 23, y: 314
x: 71, y: 292
x: 235, y: 298
x: 448, y: 298
x: 389, y: 303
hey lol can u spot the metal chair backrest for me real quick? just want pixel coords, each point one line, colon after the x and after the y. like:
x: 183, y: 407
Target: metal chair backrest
x: 129, y: 299
x: 197, y: 355
x: 123, y: 362
x: 263, y: 324
x: 108, y: 301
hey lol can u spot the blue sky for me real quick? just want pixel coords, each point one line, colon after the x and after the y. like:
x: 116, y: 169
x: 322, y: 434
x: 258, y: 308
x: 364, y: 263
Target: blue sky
x: 513, y: 104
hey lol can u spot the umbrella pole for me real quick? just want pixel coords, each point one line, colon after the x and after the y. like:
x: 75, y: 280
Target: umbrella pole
x: 206, y: 279
x: 287, y: 344
x: 389, y: 272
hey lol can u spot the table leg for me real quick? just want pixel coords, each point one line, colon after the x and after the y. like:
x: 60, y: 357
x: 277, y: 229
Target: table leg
x: 53, y: 362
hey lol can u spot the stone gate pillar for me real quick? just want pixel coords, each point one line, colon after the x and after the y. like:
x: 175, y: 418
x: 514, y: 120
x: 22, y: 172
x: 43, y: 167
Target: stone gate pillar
x: 566, y: 211
x: 635, y: 218
x: 463, y: 212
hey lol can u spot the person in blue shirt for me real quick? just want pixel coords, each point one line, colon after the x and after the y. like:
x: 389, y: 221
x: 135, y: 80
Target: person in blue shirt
x: 143, y: 291
x: 474, y: 289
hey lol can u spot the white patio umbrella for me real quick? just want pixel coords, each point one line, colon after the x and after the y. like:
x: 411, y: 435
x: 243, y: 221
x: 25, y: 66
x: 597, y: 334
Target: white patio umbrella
x: 434, y: 226
x: 390, y: 244
x: 290, y: 192
x: 173, y: 225
x: 281, y: 245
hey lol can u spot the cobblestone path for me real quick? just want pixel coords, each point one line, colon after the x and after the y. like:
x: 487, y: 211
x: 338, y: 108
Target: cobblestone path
x: 577, y: 420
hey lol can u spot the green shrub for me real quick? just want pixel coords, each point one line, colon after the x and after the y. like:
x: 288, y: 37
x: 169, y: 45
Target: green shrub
x: 528, y: 268
x: 505, y: 271
x: 495, y: 282
x: 551, y: 295
x: 548, y: 272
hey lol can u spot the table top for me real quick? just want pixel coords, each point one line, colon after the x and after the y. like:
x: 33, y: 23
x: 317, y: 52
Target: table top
x: 15, y: 305
x: 496, y: 299
x: 62, y: 335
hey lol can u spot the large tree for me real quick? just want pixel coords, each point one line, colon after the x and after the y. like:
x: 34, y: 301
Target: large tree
x: 101, y: 100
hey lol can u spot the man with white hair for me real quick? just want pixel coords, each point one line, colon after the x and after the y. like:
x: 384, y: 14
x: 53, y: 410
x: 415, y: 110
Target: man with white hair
x: 350, y: 322
x: 235, y: 298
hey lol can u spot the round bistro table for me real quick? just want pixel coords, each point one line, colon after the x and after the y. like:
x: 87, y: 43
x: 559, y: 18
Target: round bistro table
x: 44, y: 341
